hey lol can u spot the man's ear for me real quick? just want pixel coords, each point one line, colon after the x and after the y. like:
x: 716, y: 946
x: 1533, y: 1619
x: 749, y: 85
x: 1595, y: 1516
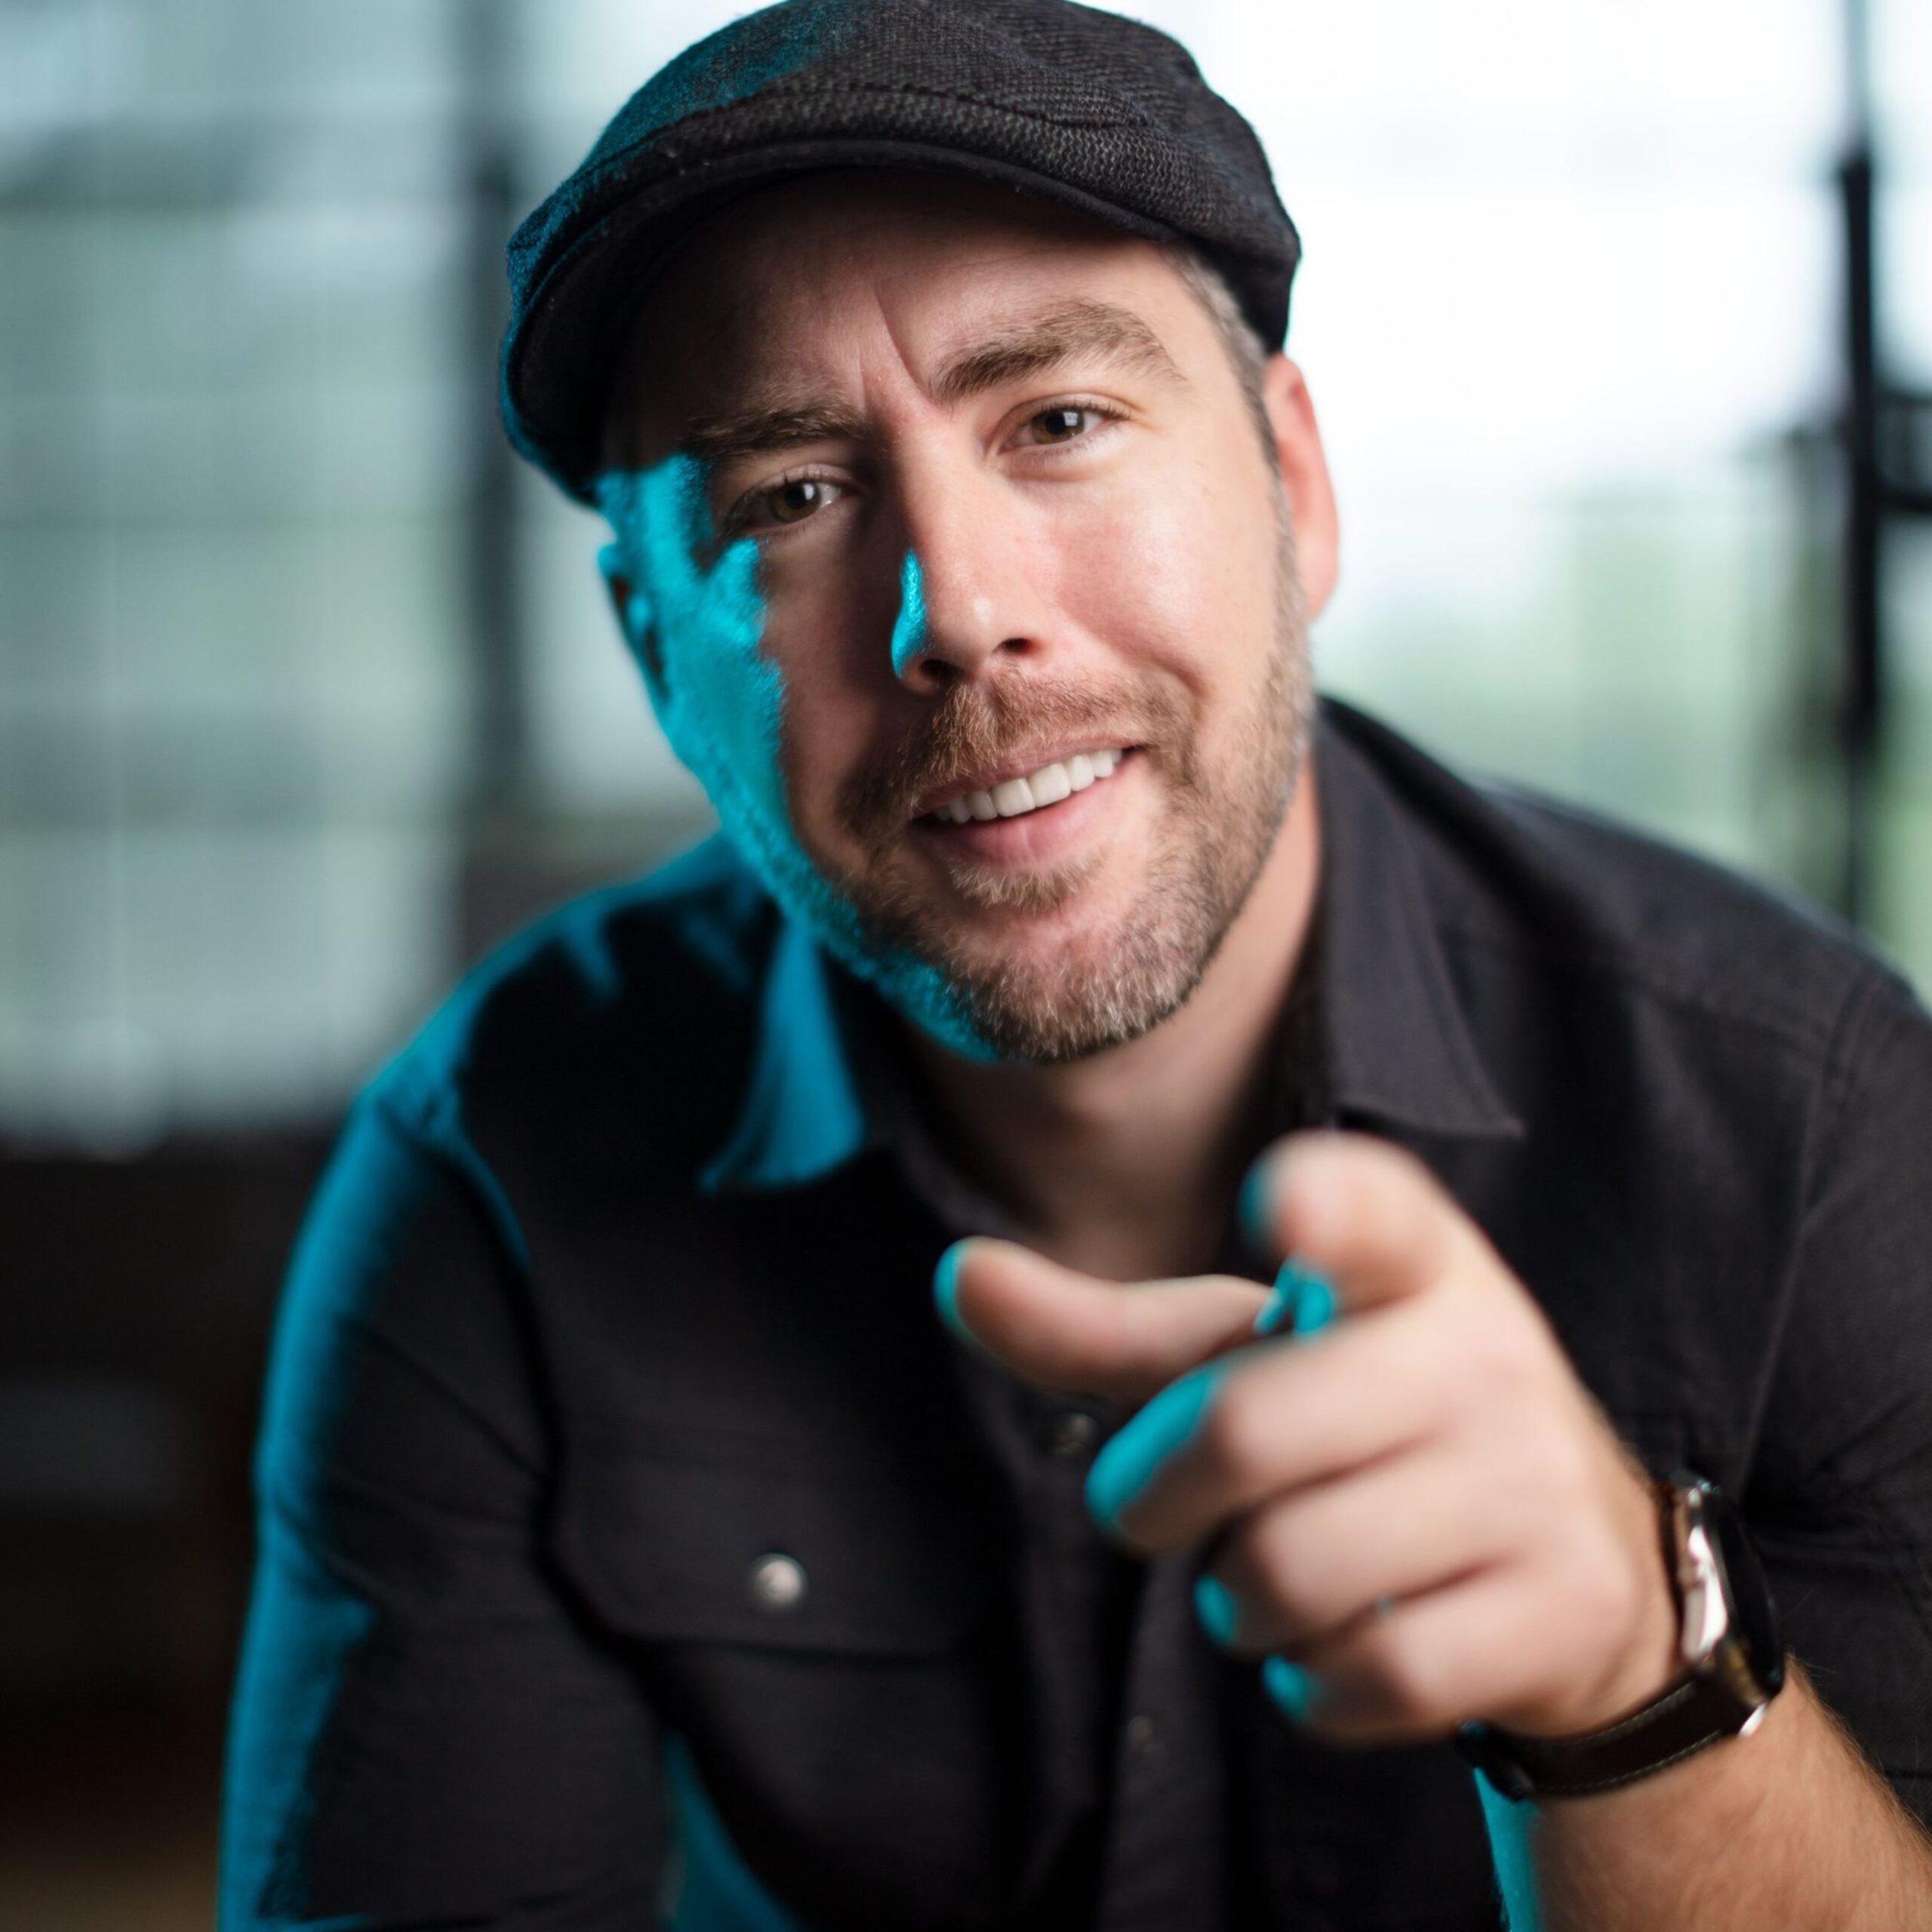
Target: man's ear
x: 1305, y: 479
x: 633, y: 619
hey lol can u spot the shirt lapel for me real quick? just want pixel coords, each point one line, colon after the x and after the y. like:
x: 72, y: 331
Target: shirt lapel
x: 803, y: 1116
x: 1398, y: 1045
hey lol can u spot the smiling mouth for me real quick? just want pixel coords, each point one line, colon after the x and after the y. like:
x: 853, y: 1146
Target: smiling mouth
x: 1014, y: 798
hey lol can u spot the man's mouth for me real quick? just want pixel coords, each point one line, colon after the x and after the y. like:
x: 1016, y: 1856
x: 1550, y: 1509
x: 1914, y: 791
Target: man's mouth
x: 1014, y: 798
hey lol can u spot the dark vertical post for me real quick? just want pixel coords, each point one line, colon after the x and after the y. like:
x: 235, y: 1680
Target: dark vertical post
x: 1860, y: 704
x: 1862, y: 695
x: 491, y: 578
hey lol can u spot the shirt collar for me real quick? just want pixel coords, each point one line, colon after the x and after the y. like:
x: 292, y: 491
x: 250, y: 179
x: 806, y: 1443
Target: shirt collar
x: 803, y: 1116
x: 1397, y: 1047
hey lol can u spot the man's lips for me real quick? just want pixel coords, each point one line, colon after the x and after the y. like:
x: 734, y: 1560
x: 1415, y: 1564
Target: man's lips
x: 1050, y: 832
x: 1023, y: 783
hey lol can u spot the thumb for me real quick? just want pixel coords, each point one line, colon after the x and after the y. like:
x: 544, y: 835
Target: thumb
x: 1075, y: 1333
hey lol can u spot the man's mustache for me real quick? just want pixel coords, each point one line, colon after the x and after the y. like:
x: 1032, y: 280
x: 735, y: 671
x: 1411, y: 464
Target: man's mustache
x: 976, y: 725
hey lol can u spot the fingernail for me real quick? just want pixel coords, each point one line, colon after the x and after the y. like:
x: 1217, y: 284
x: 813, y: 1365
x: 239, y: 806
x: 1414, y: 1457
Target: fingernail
x: 1124, y: 1468
x: 1291, y: 1687
x: 1300, y: 1300
x: 1214, y: 1605
x: 1252, y: 1210
x: 946, y: 1291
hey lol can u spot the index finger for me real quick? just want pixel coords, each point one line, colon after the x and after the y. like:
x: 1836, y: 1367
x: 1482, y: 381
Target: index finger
x: 1365, y: 1214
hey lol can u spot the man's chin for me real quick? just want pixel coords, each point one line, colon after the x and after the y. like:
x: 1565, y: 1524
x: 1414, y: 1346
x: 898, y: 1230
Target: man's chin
x: 1051, y: 1011
x: 1011, y: 899
x: 1032, y: 918
x: 1037, y: 963
x: 1066, y: 982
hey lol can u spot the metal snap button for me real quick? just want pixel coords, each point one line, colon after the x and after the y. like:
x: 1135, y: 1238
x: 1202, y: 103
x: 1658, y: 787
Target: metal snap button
x: 777, y: 1583
x: 1072, y: 1434
x: 1143, y: 1736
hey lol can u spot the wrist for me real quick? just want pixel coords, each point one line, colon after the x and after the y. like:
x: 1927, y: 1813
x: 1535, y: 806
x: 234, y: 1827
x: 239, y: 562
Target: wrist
x: 1643, y: 1670
x: 1729, y: 1666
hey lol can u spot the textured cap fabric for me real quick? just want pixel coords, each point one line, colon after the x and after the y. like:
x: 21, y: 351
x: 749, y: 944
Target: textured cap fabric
x: 1082, y: 106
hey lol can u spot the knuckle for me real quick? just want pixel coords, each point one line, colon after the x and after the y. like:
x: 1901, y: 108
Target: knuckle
x: 1565, y: 1462
x: 1288, y: 1595
x: 1498, y: 1355
x: 1233, y: 1438
x: 1410, y: 1681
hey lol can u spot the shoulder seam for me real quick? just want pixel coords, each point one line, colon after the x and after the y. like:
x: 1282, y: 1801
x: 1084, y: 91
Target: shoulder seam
x: 1847, y: 1025
x: 452, y: 1150
x: 1848, y: 1036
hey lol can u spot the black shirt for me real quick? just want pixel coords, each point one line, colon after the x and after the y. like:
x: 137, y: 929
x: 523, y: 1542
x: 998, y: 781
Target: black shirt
x: 633, y: 1537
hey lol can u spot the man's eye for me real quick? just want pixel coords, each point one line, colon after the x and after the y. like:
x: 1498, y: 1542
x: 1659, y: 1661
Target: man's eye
x: 779, y: 504
x: 793, y: 501
x: 1065, y: 423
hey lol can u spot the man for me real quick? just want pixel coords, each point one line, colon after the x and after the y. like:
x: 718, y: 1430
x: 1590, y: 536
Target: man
x: 619, y: 1468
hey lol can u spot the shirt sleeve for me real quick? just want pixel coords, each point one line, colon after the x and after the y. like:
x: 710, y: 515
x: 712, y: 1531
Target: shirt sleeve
x: 1839, y: 1497
x: 425, y: 1730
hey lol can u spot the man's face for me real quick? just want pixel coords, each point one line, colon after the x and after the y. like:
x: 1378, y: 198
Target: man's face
x: 930, y: 489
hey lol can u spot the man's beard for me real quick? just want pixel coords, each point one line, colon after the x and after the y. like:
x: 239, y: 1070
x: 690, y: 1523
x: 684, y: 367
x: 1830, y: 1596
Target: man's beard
x: 1215, y: 839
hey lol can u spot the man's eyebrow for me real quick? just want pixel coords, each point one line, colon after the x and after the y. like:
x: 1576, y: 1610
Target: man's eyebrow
x: 759, y: 428
x: 1071, y: 331
x: 1078, y: 331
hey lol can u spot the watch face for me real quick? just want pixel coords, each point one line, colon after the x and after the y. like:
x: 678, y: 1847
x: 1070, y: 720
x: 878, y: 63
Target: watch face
x: 1754, y: 1623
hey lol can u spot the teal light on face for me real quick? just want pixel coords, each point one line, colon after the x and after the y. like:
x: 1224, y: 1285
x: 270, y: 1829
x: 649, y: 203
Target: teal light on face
x: 694, y: 618
x: 909, y: 628
x: 719, y: 698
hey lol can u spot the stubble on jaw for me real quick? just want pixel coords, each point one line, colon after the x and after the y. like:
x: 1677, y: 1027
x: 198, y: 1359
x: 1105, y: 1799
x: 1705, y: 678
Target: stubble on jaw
x: 1216, y: 837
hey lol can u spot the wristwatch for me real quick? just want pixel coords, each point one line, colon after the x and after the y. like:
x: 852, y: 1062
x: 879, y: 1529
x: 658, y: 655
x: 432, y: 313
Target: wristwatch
x: 1732, y: 1657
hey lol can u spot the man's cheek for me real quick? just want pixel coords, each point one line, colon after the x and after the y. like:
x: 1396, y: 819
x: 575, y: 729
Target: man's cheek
x: 1132, y: 578
x: 698, y: 634
x: 722, y: 700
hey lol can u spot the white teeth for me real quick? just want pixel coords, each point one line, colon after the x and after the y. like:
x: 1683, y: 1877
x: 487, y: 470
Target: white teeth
x: 1047, y: 786
x: 1050, y: 784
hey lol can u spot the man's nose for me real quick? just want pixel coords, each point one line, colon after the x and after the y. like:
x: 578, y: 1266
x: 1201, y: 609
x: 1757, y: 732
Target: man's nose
x: 964, y: 600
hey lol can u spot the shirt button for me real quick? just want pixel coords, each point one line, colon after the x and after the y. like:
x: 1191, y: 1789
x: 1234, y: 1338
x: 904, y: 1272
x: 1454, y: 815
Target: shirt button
x: 1072, y: 1436
x: 1143, y: 1736
x: 778, y: 1583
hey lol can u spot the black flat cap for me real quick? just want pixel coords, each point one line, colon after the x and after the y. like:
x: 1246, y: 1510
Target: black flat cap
x: 1081, y: 106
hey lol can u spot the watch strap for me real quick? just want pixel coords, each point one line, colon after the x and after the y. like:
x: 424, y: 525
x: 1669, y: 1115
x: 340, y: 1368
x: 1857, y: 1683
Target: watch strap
x: 1693, y: 1712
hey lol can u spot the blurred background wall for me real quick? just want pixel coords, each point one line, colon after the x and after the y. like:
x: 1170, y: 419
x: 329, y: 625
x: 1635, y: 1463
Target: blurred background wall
x: 307, y: 694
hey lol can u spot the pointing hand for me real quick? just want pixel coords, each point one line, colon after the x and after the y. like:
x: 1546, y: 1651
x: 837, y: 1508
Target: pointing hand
x: 1416, y: 1508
